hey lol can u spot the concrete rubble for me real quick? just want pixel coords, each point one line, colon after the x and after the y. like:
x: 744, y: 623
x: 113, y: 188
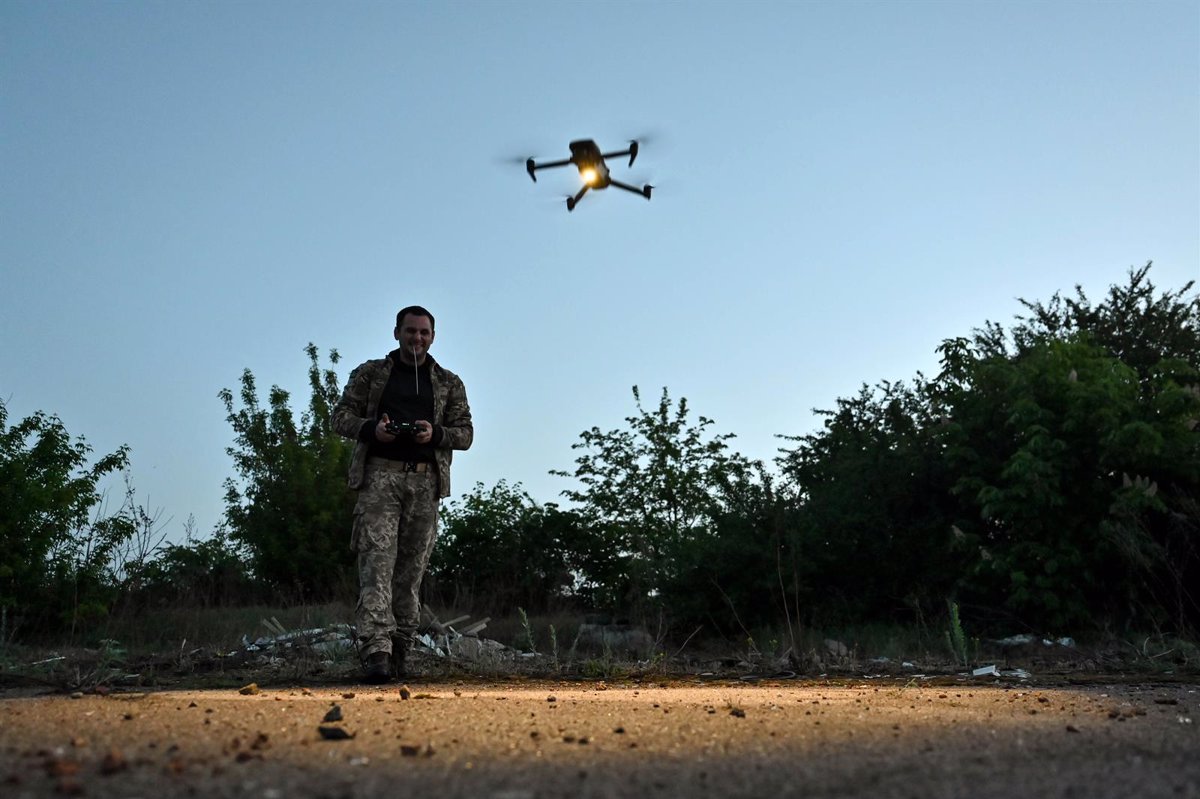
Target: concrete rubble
x: 455, y: 639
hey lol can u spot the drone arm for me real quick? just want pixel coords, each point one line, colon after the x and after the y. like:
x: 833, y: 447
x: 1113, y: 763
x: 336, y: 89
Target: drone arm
x: 571, y: 201
x: 531, y: 167
x: 644, y: 190
x: 632, y: 152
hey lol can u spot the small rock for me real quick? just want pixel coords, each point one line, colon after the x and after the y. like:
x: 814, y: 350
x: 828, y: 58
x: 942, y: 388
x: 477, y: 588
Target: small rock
x: 250, y: 690
x: 404, y: 692
x: 737, y: 712
x: 334, y: 714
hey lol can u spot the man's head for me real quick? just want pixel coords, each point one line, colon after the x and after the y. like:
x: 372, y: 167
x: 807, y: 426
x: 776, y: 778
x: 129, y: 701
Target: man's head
x: 414, y: 331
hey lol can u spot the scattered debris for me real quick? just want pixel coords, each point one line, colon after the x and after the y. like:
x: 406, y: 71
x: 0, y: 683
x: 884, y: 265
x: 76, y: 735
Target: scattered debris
x: 54, y: 659
x: 250, y: 690
x: 325, y: 640
x: 435, y: 637
x: 837, y: 648
x: 1013, y: 641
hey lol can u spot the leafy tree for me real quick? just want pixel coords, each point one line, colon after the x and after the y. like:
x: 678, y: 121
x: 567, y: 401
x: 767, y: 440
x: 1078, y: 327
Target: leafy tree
x: 499, y: 550
x: 56, y: 539
x: 871, y: 511
x: 1049, y: 471
x: 289, y: 506
x: 743, y: 571
x: 1074, y: 435
x: 652, y: 490
x: 1133, y: 324
x: 205, y: 573
x: 1079, y: 473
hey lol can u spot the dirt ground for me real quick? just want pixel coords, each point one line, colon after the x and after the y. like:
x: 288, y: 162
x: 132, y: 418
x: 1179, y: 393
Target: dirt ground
x: 683, y: 738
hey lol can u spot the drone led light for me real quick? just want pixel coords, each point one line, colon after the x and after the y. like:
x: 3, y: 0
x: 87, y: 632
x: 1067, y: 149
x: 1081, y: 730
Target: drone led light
x: 588, y: 174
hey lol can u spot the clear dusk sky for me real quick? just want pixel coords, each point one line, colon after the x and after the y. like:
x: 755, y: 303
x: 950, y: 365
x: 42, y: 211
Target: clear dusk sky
x: 193, y: 188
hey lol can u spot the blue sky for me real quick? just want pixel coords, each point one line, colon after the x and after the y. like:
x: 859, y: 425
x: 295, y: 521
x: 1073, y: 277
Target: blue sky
x: 191, y: 189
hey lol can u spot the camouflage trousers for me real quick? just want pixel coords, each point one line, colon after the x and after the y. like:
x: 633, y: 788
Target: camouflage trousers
x: 395, y: 525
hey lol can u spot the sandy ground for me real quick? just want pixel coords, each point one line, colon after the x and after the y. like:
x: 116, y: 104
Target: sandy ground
x: 679, y: 739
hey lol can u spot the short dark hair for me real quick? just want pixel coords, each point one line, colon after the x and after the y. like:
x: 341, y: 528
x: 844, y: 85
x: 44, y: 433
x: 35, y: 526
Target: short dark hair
x: 415, y: 310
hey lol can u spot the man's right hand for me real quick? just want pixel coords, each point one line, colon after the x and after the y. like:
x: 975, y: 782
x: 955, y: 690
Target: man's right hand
x: 381, y: 432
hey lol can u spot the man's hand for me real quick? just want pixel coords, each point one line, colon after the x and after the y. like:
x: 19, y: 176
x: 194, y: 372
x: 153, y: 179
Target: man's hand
x: 424, y: 436
x: 381, y: 432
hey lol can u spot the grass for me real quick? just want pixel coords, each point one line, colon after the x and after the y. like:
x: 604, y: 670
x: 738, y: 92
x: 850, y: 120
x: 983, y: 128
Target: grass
x: 178, y: 641
x: 218, y: 628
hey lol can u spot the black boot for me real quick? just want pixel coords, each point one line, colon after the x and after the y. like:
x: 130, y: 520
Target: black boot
x: 376, y: 669
x: 399, y: 652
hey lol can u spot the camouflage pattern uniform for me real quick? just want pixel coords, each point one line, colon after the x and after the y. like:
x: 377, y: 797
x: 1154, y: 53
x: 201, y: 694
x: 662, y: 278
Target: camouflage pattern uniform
x: 395, y: 519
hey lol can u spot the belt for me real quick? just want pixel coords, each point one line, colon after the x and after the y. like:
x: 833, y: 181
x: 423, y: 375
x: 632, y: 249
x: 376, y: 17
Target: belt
x: 399, y: 466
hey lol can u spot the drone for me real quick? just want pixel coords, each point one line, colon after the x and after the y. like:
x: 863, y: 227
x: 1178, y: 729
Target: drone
x: 586, y: 156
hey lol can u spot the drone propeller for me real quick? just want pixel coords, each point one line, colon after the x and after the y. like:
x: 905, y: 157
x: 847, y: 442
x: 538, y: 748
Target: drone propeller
x: 529, y: 162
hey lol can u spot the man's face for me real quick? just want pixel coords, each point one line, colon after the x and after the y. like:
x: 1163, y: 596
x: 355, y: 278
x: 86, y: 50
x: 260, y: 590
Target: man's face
x: 415, y: 334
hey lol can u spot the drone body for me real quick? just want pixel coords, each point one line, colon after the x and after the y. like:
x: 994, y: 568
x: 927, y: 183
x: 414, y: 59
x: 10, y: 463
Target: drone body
x: 587, y: 158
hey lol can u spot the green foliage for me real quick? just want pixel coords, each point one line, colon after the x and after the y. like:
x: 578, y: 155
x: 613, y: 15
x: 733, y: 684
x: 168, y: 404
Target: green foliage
x: 529, y: 644
x: 654, y: 489
x: 1057, y: 443
x: 744, y: 569
x: 956, y: 639
x: 870, y: 509
x: 289, y: 506
x: 207, y: 573
x: 56, y: 540
x: 498, y: 549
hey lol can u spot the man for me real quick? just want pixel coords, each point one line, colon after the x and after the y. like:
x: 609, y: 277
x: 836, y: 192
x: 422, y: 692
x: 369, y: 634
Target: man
x: 406, y: 414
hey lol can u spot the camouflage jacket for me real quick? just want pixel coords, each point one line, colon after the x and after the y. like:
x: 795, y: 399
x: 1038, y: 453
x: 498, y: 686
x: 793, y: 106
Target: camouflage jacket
x: 360, y: 404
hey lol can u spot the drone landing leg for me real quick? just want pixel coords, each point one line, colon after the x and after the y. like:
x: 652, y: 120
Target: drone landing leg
x: 571, y: 201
